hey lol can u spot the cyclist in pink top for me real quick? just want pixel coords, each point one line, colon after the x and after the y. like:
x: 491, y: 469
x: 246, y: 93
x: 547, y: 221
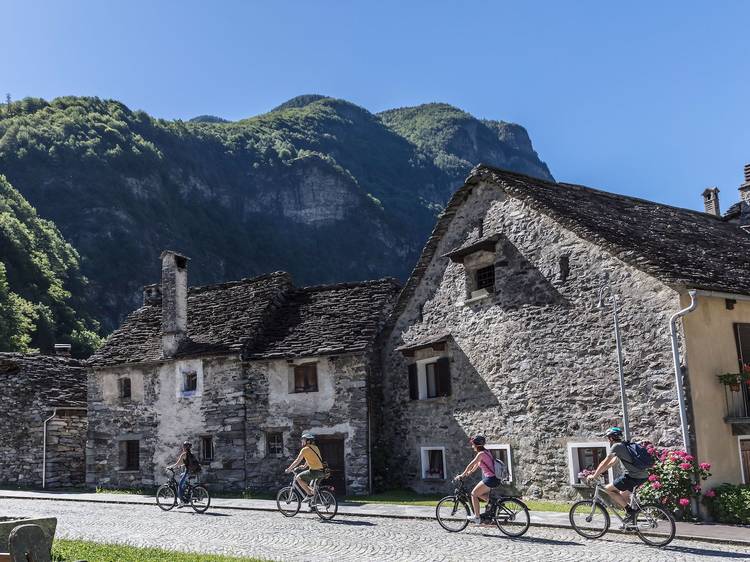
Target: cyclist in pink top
x: 486, y: 462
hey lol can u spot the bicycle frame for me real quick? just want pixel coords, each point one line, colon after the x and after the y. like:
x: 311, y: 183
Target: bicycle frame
x: 602, y: 497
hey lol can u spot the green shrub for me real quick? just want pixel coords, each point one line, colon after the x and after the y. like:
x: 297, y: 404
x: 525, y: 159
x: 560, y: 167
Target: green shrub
x: 730, y: 503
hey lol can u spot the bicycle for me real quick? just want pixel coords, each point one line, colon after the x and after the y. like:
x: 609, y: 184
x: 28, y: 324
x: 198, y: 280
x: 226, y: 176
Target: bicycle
x: 197, y: 496
x: 323, y: 502
x: 590, y: 518
x: 509, y: 513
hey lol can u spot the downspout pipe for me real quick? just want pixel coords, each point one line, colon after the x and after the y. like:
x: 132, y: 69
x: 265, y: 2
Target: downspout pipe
x: 44, y: 450
x: 678, y: 368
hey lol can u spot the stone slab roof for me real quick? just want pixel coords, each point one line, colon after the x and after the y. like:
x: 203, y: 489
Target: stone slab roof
x: 681, y: 247
x: 329, y: 319
x: 259, y: 317
x: 222, y: 318
x: 46, y: 380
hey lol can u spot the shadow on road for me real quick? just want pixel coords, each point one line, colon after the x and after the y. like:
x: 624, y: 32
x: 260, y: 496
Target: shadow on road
x: 349, y: 522
x: 707, y: 552
x: 535, y: 540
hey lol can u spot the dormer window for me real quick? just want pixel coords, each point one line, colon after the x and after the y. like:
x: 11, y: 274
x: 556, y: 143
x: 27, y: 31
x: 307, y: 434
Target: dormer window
x: 479, y: 259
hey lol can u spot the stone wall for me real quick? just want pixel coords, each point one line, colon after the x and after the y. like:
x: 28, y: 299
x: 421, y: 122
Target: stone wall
x: 161, y: 417
x: 66, y: 445
x: 338, y: 409
x: 533, y: 365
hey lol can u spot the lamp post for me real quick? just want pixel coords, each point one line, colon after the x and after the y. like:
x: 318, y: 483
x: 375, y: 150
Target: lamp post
x: 615, y: 299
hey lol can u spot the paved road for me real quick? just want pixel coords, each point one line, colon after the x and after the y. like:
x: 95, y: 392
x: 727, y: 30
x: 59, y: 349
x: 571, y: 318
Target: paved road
x: 271, y: 536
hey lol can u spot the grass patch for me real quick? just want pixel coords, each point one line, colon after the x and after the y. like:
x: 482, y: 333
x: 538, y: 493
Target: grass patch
x: 407, y: 497
x: 124, y: 491
x: 69, y: 551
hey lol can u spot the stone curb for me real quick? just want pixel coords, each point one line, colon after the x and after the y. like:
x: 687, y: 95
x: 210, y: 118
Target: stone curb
x: 697, y: 538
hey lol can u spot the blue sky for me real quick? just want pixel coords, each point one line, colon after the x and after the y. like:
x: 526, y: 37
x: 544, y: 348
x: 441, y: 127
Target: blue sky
x: 644, y: 98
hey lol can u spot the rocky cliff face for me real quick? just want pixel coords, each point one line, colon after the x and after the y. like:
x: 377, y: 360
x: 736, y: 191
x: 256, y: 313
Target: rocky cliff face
x: 318, y: 187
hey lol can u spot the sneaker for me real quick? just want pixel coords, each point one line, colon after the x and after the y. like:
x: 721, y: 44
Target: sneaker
x: 180, y: 505
x: 474, y: 519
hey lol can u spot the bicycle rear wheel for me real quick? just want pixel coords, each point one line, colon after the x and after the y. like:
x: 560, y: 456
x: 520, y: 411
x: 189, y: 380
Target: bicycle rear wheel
x: 288, y: 501
x: 326, y: 505
x: 512, y: 517
x: 654, y: 525
x: 199, y: 499
x: 166, y: 499
x: 452, y: 514
x: 589, y: 519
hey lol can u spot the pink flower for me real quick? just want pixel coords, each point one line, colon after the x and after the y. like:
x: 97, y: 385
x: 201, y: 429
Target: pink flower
x: 710, y: 494
x: 689, y: 458
x: 705, y: 466
x: 665, y: 499
x: 656, y: 485
x: 651, y: 449
x: 696, y: 488
x: 653, y: 477
x: 684, y: 502
x: 685, y: 465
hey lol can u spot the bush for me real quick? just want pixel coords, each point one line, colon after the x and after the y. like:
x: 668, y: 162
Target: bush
x: 730, y: 503
x: 673, y: 481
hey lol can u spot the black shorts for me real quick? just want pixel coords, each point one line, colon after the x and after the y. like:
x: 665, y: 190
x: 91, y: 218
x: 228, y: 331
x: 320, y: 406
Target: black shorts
x: 627, y: 483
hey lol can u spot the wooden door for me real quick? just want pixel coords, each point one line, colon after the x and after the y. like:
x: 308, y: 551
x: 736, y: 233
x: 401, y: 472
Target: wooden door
x: 332, y: 451
x: 745, y: 454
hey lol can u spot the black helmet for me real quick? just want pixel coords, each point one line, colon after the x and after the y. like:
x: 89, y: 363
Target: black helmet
x: 614, y: 433
x: 479, y: 440
x: 187, y: 445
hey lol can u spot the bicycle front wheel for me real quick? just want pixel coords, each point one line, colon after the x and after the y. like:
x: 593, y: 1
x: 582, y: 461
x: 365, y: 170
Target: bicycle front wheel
x: 654, y: 525
x: 452, y: 514
x: 512, y: 517
x: 589, y: 519
x: 288, y: 501
x: 326, y: 505
x: 199, y: 499
x: 166, y: 499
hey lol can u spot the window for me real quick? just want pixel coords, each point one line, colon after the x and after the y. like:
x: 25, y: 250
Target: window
x: 433, y: 463
x: 274, y: 444
x: 486, y: 278
x: 189, y: 381
x: 125, y: 389
x: 502, y: 452
x: 207, y: 448
x: 744, y: 442
x: 306, y: 378
x: 586, y: 456
x: 130, y: 453
x: 430, y: 378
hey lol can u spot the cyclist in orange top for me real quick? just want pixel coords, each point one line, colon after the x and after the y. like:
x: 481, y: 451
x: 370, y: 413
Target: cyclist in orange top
x: 310, y: 455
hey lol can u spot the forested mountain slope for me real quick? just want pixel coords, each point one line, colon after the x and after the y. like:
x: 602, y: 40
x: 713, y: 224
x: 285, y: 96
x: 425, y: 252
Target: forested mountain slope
x: 319, y: 187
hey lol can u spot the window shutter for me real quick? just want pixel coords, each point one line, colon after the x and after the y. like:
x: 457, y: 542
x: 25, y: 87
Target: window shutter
x: 413, y: 382
x: 444, y: 376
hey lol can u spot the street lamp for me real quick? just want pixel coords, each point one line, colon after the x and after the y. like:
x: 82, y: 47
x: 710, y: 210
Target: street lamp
x: 615, y: 299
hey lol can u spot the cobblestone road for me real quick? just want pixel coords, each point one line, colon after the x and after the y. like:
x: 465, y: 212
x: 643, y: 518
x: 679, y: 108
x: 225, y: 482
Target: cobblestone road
x: 271, y: 536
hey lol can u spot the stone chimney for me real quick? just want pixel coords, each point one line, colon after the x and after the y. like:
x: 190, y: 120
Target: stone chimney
x: 711, y: 201
x: 745, y: 187
x: 173, y: 301
x: 62, y: 349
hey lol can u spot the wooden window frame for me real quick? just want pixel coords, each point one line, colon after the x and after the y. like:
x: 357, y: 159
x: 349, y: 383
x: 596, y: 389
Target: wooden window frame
x: 740, y: 439
x: 211, y: 449
x: 419, y: 374
x: 270, y: 452
x: 303, y: 371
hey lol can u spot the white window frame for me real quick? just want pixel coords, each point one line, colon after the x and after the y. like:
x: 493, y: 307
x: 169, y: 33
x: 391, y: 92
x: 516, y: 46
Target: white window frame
x: 422, y: 376
x: 741, y: 438
x: 503, y: 447
x: 181, y: 369
x: 573, y: 468
x: 425, y: 458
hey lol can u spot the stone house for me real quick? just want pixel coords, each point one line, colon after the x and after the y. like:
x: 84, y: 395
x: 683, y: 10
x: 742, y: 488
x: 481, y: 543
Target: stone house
x: 43, y: 420
x: 241, y: 370
x: 498, y: 331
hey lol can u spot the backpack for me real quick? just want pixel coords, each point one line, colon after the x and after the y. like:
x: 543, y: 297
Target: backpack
x: 501, y: 469
x: 641, y: 457
x: 192, y: 464
x: 326, y: 469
